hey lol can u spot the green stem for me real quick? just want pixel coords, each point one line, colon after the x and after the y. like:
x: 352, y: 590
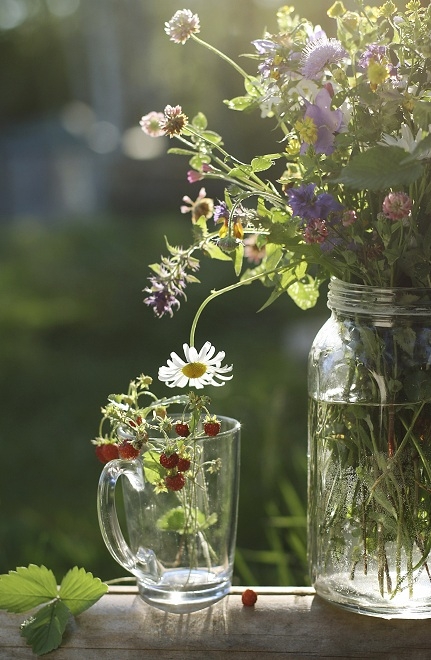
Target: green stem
x: 223, y: 56
x: 214, y: 294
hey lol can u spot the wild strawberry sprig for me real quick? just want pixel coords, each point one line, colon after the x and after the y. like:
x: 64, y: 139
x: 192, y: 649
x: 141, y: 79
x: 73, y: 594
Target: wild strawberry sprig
x: 149, y: 431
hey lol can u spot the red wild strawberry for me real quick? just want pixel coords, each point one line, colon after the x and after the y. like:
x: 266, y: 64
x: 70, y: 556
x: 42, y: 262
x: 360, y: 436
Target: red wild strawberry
x: 175, y: 481
x: 249, y: 597
x: 106, y: 452
x: 183, y: 464
x: 212, y: 427
x: 126, y: 450
x: 168, y: 461
x: 182, y: 429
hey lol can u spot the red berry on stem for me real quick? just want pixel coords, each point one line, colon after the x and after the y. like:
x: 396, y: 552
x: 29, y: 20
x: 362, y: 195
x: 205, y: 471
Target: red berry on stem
x: 175, y: 481
x: 212, y: 428
x: 249, y: 597
x: 183, y: 464
x: 127, y: 450
x: 168, y: 461
x: 106, y: 452
x: 182, y: 429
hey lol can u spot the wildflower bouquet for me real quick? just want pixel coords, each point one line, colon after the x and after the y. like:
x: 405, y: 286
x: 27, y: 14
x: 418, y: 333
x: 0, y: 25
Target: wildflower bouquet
x: 350, y: 193
x: 344, y: 193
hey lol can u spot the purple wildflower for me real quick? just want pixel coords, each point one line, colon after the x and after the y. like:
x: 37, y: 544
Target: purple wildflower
x: 327, y: 121
x: 221, y: 212
x: 374, y: 52
x: 307, y: 205
x: 318, y: 54
x: 280, y: 60
x: 169, y: 282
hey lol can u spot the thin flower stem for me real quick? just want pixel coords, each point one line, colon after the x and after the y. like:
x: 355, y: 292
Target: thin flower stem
x: 223, y: 56
x: 220, y: 292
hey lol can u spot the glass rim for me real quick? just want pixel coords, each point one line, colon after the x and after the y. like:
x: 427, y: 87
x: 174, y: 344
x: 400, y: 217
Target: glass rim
x: 378, y: 301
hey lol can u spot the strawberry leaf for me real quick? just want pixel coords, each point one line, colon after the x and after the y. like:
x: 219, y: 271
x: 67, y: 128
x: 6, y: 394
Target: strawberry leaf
x: 379, y: 168
x: 44, y: 631
x: 25, y: 588
x: 79, y: 590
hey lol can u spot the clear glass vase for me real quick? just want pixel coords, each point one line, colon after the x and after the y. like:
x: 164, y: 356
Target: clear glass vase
x: 370, y: 451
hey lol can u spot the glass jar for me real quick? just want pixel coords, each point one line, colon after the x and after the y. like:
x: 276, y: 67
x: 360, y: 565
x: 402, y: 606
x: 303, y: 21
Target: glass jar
x: 369, y: 476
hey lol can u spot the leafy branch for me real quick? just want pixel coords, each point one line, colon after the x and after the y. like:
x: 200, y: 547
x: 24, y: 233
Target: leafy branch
x: 26, y: 588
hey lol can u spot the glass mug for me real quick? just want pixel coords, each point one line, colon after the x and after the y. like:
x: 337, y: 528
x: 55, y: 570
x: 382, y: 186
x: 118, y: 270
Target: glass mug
x: 181, y: 544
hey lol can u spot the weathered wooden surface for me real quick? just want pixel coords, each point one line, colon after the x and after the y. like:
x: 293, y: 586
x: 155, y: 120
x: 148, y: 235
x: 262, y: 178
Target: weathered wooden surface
x: 285, y: 623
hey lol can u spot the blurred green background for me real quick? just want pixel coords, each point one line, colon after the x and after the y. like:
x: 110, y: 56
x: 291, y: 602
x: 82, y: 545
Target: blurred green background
x: 85, y: 201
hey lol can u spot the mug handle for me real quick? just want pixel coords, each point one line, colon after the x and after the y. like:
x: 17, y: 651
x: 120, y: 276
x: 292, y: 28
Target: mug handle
x: 107, y: 512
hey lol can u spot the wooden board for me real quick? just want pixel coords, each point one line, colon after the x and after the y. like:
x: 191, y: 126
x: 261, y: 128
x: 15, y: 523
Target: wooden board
x: 285, y: 623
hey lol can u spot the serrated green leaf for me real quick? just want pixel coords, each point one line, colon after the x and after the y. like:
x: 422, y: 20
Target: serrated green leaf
x: 79, y: 590
x: 212, y: 250
x: 380, y: 168
x: 305, y: 295
x: 175, y: 520
x: 44, y: 631
x: 422, y: 114
x: 261, y: 164
x: 25, y: 588
x: 152, y: 468
x: 240, y: 171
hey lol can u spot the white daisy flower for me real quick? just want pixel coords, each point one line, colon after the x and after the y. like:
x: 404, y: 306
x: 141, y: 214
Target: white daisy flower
x: 199, y: 368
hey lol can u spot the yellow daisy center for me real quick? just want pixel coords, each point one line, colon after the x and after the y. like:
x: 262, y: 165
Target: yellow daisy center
x: 194, y: 369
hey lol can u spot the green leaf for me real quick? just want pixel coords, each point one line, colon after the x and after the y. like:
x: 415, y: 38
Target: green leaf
x: 44, y: 631
x: 175, y: 520
x: 199, y: 160
x: 213, y: 251
x: 212, y: 137
x: 240, y: 172
x: 261, y: 164
x: 79, y: 590
x: 379, y: 168
x: 199, y: 122
x: 240, y: 103
x: 422, y: 114
x: 25, y: 588
x: 305, y: 295
x: 237, y: 258
x: 180, y: 152
x: 405, y: 337
x: 152, y: 468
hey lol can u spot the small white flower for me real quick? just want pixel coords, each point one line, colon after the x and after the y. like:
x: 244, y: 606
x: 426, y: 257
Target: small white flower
x: 406, y: 141
x: 199, y: 368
